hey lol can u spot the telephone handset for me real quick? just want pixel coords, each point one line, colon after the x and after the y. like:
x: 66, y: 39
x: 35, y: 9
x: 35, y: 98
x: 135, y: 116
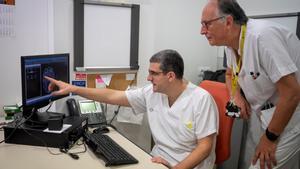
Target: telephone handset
x: 73, y: 107
x: 87, y: 108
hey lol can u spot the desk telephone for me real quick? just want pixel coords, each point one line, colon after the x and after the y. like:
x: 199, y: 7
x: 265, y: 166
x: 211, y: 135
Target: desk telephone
x: 87, y: 108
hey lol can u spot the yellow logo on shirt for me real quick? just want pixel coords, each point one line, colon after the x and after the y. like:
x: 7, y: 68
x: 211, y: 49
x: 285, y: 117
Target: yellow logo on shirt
x: 189, y: 125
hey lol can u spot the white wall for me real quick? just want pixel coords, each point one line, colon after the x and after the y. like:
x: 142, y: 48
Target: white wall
x: 262, y: 7
x: 32, y: 36
x: 176, y: 25
x: 63, y: 28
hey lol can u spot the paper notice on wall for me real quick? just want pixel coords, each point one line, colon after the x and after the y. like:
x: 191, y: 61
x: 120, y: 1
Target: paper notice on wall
x: 81, y: 83
x: 99, y: 83
x: 80, y: 76
x: 7, y: 19
x: 106, y: 79
x: 130, y: 76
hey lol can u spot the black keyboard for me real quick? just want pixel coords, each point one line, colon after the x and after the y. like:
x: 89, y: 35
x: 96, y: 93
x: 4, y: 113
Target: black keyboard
x: 107, y: 149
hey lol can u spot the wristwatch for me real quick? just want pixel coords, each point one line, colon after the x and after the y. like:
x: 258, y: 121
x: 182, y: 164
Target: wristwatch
x: 271, y: 136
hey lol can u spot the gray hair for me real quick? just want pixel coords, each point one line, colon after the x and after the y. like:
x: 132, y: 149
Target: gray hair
x: 231, y: 7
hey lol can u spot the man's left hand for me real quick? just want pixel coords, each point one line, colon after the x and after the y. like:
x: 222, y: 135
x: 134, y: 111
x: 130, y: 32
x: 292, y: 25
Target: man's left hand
x: 160, y: 160
x: 265, y: 152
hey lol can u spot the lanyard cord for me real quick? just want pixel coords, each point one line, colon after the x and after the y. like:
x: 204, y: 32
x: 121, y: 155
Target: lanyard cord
x: 235, y: 76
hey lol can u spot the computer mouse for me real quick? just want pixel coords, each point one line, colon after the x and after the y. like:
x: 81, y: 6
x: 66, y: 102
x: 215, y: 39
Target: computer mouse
x: 101, y: 129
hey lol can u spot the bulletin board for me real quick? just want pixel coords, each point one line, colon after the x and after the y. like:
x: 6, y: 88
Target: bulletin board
x: 118, y: 81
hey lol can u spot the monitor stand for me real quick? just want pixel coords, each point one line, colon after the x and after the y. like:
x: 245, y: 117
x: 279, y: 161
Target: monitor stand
x: 39, y: 120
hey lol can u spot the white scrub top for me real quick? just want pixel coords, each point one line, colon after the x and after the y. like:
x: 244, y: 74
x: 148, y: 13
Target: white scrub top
x: 270, y: 50
x: 175, y: 129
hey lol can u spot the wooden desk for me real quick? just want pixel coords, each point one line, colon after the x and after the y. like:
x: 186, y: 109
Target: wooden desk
x: 13, y: 156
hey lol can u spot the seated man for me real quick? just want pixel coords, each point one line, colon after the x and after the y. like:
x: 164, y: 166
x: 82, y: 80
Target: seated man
x: 183, y: 118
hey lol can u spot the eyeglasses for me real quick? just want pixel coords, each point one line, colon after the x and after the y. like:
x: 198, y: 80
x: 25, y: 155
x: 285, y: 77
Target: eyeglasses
x: 153, y: 73
x: 206, y: 24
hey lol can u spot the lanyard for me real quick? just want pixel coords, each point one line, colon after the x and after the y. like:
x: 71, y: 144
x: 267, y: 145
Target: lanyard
x: 235, y: 76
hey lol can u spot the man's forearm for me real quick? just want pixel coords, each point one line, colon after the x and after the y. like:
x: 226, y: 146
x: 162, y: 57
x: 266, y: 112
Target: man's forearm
x: 103, y: 95
x: 228, y: 77
x: 282, y: 115
x: 200, y: 153
x: 289, y: 97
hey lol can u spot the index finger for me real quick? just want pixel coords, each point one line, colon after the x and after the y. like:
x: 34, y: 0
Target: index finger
x: 49, y: 78
x: 262, y: 161
x: 52, y: 84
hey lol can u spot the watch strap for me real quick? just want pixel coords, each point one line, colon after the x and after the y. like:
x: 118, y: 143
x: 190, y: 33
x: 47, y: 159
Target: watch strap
x: 271, y: 136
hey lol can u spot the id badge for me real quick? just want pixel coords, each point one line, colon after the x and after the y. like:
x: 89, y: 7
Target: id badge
x: 232, y: 110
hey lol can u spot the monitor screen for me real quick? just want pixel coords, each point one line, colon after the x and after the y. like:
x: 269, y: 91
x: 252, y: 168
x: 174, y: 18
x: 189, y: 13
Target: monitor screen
x: 35, y: 92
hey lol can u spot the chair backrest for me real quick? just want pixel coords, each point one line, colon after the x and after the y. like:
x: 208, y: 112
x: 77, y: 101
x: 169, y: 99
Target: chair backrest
x: 220, y: 94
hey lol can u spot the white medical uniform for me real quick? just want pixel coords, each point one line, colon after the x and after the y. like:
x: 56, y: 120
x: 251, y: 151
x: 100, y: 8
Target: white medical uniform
x: 272, y: 51
x: 175, y: 129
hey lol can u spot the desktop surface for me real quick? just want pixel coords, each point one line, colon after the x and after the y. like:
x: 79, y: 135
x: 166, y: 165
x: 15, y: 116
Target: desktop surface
x: 34, y: 157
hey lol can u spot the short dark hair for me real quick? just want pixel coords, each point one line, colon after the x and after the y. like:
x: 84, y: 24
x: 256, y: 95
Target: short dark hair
x: 231, y: 7
x: 170, y: 60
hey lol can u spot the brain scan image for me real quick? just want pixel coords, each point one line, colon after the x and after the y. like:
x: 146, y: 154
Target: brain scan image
x: 48, y: 71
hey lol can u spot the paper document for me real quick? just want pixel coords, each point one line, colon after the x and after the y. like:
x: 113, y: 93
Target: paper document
x: 130, y: 76
x: 65, y: 127
x: 106, y: 79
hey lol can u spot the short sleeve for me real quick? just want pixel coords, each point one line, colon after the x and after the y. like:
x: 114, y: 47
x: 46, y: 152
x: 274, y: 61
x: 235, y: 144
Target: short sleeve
x: 207, y: 121
x: 137, y: 99
x: 274, y: 55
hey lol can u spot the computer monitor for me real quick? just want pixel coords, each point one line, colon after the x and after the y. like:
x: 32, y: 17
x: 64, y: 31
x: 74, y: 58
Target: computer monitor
x: 35, y: 93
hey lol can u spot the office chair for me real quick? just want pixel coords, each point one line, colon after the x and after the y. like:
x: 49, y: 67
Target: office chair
x: 221, y: 96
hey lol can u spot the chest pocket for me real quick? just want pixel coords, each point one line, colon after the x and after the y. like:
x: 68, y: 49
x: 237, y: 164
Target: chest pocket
x: 260, y: 88
x: 186, y: 132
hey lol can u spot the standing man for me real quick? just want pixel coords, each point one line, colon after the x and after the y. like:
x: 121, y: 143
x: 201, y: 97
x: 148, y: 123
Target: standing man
x: 182, y: 116
x: 263, y: 59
